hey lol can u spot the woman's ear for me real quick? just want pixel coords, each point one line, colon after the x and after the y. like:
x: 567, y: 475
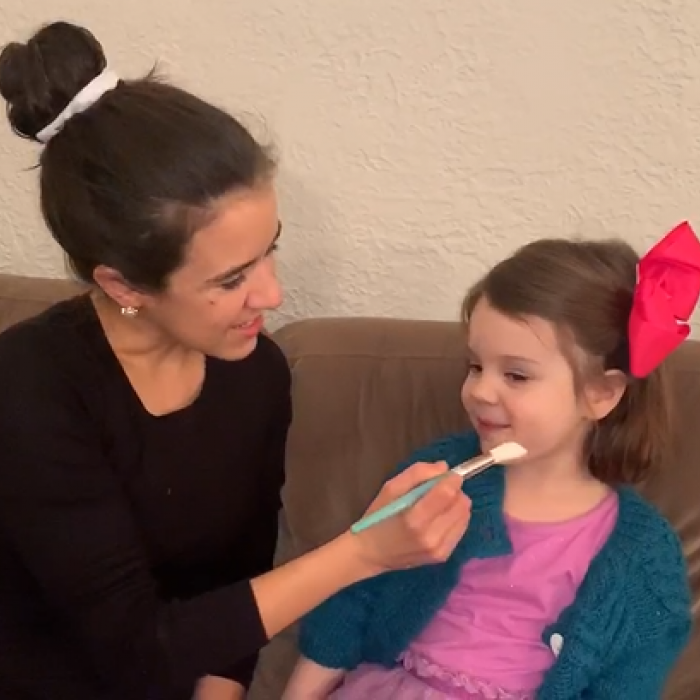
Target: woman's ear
x: 604, y: 393
x: 113, y: 284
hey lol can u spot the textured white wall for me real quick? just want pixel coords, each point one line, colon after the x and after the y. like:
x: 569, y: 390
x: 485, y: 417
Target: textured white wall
x: 421, y: 139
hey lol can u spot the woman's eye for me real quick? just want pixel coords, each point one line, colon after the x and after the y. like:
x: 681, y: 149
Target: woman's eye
x: 237, y: 281
x: 233, y: 283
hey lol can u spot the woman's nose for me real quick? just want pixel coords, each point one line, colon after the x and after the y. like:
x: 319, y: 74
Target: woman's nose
x: 265, y: 290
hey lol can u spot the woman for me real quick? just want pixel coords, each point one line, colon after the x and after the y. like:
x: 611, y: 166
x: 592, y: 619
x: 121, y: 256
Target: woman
x: 143, y: 424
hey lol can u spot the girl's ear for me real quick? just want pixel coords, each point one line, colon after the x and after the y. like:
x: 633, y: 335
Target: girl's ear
x: 604, y: 393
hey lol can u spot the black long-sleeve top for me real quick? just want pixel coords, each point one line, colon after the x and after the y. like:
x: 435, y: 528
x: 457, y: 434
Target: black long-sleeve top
x: 128, y: 541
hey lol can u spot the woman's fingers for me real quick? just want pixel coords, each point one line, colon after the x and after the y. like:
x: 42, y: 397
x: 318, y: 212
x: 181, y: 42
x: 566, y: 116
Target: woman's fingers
x: 440, y: 518
x: 427, y: 532
x: 402, y: 483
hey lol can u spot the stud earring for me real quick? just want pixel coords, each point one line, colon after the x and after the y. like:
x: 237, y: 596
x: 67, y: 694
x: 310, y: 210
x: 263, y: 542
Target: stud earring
x: 129, y: 311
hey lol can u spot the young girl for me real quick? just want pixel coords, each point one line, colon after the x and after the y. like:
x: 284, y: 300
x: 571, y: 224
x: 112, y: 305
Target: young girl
x: 567, y: 584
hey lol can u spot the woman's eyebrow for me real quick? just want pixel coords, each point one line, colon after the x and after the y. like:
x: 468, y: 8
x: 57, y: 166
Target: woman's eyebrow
x: 235, y: 271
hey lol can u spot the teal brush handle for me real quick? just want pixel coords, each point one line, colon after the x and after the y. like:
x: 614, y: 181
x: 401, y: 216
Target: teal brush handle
x: 397, y: 506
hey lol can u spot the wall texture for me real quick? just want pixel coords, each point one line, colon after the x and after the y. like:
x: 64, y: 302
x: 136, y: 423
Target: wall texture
x: 421, y: 140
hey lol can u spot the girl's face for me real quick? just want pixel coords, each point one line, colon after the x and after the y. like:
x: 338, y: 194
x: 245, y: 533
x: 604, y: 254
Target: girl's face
x: 521, y: 387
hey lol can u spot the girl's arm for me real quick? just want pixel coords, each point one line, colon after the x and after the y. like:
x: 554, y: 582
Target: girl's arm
x: 659, y: 606
x: 309, y: 681
x: 641, y: 674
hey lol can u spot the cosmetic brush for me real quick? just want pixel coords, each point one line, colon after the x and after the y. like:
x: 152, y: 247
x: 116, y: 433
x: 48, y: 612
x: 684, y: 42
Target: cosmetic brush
x: 503, y: 454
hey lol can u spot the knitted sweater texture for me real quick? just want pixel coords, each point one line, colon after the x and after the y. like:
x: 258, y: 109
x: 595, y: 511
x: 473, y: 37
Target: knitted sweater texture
x: 619, y: 640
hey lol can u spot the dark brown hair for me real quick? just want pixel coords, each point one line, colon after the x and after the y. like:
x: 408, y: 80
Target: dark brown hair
x: 127, y: 182
x: 585, y: 288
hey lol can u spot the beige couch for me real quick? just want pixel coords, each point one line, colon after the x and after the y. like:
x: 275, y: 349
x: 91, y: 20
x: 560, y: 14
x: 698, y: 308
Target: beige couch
x: 366, y: 391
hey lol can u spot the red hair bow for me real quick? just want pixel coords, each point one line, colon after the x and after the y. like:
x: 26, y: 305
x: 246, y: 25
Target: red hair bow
x: 667, y: 291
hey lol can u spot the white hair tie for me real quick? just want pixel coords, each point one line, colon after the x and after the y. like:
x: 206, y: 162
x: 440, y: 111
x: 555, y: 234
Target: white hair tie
x: 104, y: 82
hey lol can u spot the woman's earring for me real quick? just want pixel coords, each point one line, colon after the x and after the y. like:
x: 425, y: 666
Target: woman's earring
x: 129, y: 311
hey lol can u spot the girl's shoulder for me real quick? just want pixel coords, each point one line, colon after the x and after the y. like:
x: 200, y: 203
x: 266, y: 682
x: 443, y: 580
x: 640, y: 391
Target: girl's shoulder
x: 641, y: 523
x: 646, y: 553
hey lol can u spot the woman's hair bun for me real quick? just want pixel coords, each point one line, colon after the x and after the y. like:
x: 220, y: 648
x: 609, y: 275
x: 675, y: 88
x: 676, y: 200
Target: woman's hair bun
x: 38, y: 79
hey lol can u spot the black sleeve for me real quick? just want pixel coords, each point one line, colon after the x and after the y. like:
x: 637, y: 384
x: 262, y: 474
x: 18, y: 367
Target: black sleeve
x: 62, y: 511
x: 266, y: 540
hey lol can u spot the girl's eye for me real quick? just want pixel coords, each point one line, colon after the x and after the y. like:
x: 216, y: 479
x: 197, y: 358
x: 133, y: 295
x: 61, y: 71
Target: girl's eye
x: 516, y: 377
x: 474, y: 368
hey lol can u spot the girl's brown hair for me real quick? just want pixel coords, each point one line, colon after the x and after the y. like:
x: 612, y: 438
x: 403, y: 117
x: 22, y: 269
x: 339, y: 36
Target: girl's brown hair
x: 585, y: 288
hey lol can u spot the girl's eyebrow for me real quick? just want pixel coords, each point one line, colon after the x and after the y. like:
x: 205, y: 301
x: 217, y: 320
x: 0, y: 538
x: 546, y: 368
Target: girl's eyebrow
x: 514, y: 359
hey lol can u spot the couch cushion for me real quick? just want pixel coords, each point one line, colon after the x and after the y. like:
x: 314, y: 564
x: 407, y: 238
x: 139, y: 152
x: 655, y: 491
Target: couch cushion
x: 24, y: 297
x: 365, y: 393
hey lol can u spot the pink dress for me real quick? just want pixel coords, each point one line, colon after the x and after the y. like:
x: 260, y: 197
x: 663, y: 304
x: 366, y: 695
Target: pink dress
x: 486, y: 642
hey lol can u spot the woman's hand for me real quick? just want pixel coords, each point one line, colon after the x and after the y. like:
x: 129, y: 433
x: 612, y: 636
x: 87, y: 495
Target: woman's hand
x: 426, y: 533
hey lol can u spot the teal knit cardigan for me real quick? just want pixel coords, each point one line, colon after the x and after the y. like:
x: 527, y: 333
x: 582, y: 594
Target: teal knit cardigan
x: 618, y: 641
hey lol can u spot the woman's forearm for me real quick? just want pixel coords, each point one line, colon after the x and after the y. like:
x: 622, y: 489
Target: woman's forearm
x: 425, y: 534
x: 287, y: 593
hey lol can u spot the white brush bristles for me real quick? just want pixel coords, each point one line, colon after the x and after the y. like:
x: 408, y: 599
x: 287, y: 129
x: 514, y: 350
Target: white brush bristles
x: 507, y: 452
